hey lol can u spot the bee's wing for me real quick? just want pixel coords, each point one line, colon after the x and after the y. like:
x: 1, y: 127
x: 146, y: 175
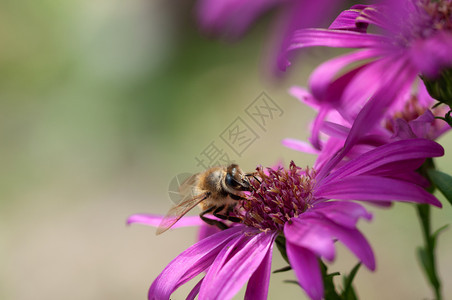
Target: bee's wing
x: 179, y: 211
x: 186, y: 187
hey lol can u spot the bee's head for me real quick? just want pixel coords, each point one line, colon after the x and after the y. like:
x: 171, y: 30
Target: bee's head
x: 235, y: 179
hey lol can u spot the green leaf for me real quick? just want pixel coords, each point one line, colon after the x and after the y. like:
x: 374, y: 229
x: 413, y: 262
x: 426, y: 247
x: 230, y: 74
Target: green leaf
x: 281, y: 244
x: 349, y: 291
x: 292, y: 281
x: 427, y: 253
x: 434, y: 236
x: 330, y: 290
x: 424, y: 260
x: 443, y: 182
x: 428, y: 267
x: 284, y: 269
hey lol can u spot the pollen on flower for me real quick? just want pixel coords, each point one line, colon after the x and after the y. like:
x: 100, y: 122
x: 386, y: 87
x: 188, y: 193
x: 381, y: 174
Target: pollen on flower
x: 412, y: 110
x: 426, y: 17
x: 276, y: 197
x: 440, y: 13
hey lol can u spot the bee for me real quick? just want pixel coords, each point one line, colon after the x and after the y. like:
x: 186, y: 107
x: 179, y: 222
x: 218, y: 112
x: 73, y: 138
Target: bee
x: 216, y: 191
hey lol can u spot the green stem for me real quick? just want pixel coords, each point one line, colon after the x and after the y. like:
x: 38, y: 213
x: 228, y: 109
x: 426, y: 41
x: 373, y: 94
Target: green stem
x: 427, y: 254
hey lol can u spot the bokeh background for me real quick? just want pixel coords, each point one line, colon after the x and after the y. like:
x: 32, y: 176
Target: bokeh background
x: 102, y: 104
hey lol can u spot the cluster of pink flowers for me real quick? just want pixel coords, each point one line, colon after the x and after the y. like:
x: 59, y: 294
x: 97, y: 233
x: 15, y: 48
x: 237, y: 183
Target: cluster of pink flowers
x: 373, y: 131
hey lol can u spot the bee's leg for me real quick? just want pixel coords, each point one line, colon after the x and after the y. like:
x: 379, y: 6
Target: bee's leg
x: 229, y: 209
x: 236, y: 197
x: 217, y: 213
x: 234, y: 219
x: 217, y: 223
x: 231, y: 218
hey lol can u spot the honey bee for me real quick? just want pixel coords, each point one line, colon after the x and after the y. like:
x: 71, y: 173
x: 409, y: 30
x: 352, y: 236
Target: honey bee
x: 215, y: 191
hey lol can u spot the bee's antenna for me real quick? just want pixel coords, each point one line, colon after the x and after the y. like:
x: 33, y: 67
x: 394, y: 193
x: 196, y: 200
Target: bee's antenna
x: 253, y: 175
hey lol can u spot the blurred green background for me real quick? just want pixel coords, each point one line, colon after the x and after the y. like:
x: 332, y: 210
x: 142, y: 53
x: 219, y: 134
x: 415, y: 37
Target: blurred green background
x: 102, y: 104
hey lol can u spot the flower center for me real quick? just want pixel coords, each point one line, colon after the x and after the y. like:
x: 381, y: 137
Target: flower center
x: 411, y: 111
x: 440, y: 13
x: 423, y: 19
x: 276, y: 197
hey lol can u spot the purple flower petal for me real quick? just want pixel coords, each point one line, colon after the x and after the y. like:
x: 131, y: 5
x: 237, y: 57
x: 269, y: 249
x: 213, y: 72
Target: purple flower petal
x: 374, y: 16
x: 423, y: 124
x: 206, y: 230
x: 335, y: 130
x: 432, y: 55
x: 325, y: 74
x: 374, y: 109
x: 310, y: 236
x: 299, y: 146
x: 335, y: 38
x: 229, y: 250
x: 372, y: 77
x: 328, y: 95
x: 350, y: 237
x: 304, y: 96
x: 318, y: 122
x: 375, y: 188
x: 155, y: 220
x: 347, y: 19
x: 195, y: 291
x: 403, y: 169
x: 329, y: 149
x: 424, y: 97
x: 402, y: 130
x: 307, y: 270
x: 232, y: 17
x: 398, y: 151
x: 235, y: 265
x: 258, y: 284
x: 190, y: 263
x: 344, y: 213
x: 426, y: 126
x: 298, y: 14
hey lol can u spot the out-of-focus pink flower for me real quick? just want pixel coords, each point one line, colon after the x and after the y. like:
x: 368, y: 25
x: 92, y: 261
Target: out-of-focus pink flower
x: 415, y: 39
x: 231, y: 18
x: 415, y: 33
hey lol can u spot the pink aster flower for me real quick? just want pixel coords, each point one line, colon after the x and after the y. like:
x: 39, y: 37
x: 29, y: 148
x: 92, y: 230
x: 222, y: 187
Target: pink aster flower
x: 417, y: 34
x: 409, y: 116
x: 415, y: 39
x: 231, y: 18
x: 310, y: 208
